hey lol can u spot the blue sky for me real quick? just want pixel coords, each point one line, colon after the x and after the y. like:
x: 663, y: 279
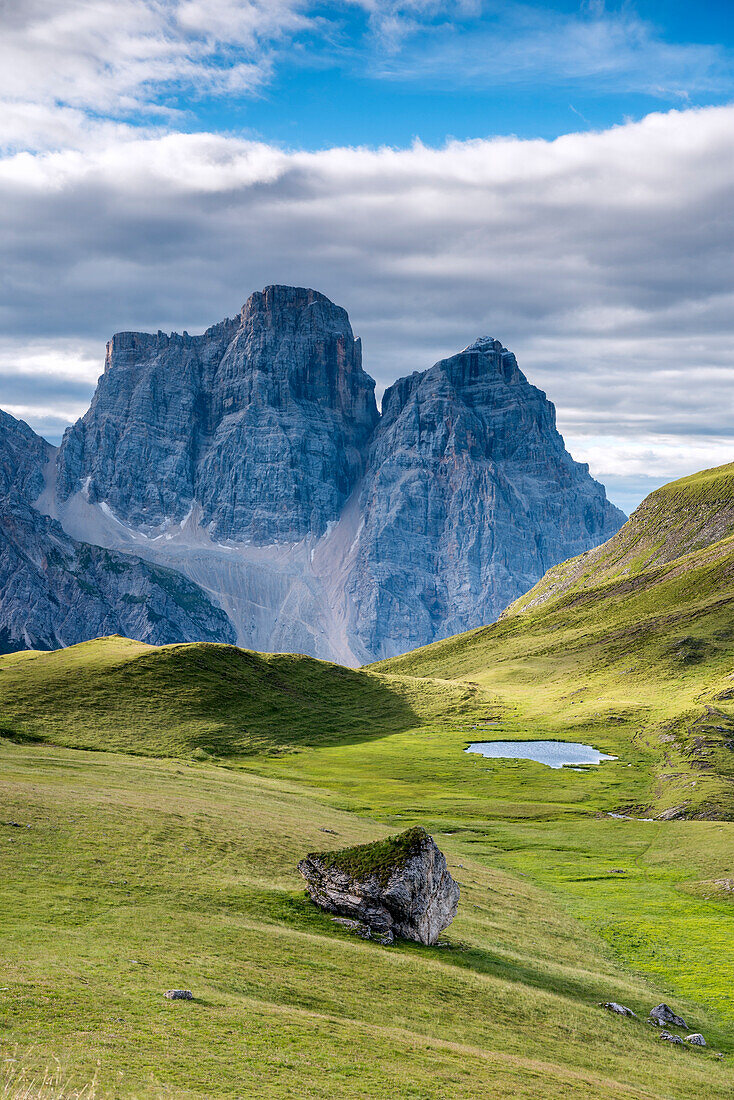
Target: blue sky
x: 431, y: 76
x: 557, y: 175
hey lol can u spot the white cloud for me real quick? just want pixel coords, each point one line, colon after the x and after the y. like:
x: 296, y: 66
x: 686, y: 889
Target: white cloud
x: 67, y: 360
x: 84, y: 64
x: 494, y: 43
x: 631, y: 469
x: 602, y: 259
x: 85, y: 59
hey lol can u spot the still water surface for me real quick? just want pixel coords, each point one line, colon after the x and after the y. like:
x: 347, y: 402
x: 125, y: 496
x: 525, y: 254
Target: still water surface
x: 556, y: 754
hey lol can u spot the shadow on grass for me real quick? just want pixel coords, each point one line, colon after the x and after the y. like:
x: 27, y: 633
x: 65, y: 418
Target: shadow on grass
x: 481, y: 961
x: 300, y: 914
x: 204, y: 699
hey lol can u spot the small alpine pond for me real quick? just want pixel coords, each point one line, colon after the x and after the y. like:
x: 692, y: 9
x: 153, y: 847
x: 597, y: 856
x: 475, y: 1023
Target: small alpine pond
x: 556, y: 754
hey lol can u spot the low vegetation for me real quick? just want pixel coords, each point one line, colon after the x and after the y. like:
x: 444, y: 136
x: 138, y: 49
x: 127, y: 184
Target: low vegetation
x: 169, y: 859
x: 380, y: 858
x: 127, y: 876
x: 635, y: 637
x: 212, y: 700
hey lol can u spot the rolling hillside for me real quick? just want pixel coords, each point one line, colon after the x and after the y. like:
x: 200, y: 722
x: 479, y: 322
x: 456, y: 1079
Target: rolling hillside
x: 637, y: 634
x: 125, y: 876
x: 169, y: 859
x: 119, y: 695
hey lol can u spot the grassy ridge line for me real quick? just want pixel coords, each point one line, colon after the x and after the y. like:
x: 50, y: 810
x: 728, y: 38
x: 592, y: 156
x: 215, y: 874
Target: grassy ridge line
x: 680, y: 518
x: 638, y: 632
x: 217, y: 700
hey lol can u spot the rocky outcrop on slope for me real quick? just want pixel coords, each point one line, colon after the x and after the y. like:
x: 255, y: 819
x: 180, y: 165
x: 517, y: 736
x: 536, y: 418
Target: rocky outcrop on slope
x: 470, y: 495
x: 262, y: 422
x: 400, y: 885
x: 253, y: 460
x: 618, y: 1009
x: 55, y: 591
x: 662, y: 1015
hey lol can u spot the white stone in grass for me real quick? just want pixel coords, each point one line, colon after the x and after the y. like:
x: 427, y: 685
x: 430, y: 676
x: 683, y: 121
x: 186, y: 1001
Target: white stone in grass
x: 671, y: 1038
x: 620, y: 1010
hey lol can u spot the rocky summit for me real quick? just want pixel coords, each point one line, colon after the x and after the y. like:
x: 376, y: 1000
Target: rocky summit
x: 252, y: 459
x: 261, y: 424
x: 399, y: 886
x: 470, y: 494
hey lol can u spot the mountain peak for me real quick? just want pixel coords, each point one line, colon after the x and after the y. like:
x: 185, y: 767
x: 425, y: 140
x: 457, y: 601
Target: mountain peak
x: 486, y: 344
x: 263, y: 423
x: 253, y: 459
x: 279, y: 297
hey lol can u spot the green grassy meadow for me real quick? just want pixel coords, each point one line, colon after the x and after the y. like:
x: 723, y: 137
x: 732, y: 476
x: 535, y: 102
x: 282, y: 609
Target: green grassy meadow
x: 154, y: 804
x: 132, y: 875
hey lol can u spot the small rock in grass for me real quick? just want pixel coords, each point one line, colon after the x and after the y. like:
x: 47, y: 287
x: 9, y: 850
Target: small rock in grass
x: 179, y: 995
x: 675, y: 813
x: 662, y: 1014
x: 697, y: 1039
x: 671, y: 1038
x: 620, y: 1010
x: 357, y: 926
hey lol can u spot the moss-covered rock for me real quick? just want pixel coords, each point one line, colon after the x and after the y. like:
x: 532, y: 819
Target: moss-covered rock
x: 400, y: 884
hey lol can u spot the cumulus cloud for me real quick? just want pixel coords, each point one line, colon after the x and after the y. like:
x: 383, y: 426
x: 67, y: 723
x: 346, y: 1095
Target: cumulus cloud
x: 71, y: 67
x: 602, y: 259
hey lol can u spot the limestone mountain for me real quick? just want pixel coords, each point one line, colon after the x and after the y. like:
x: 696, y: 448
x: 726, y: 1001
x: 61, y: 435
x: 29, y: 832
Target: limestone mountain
x: 55, y: 591
x: 253, y: 459
x: 468, y: 481
x: 261, y: 424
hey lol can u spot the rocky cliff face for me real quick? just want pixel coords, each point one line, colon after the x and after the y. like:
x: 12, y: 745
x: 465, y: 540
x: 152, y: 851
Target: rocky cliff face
x: 261, y: 424
x: 55, y: 591
x: 253, y: 460
x: 469, y: 481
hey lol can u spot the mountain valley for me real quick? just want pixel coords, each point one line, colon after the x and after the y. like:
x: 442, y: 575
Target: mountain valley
x: 164, y: 795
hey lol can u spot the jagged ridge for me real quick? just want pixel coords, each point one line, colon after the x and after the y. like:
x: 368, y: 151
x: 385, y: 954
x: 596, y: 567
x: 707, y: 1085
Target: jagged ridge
x: 252, y: 459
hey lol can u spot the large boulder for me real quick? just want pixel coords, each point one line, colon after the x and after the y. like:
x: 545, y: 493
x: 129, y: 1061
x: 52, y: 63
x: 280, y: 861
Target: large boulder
x: 400, y: 884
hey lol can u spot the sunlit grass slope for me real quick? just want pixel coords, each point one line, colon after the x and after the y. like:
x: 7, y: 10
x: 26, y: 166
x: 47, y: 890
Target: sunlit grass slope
x: 637, y: 635
x: 126, y: 876
x: 140, y: 874
x: 116, y: 694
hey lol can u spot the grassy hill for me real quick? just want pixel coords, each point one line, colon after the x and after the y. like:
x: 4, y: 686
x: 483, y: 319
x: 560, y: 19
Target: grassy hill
x: 216, y: 700
x: 169, y: 859
x: 635, y: 637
